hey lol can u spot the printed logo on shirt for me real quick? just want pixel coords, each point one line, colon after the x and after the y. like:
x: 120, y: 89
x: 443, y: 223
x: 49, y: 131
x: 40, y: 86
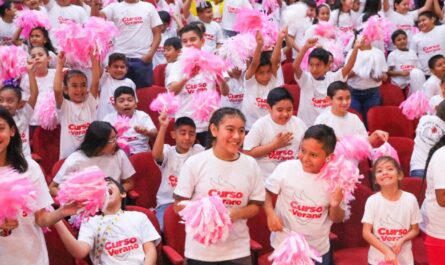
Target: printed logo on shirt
x: 121, y: 247
x: 23, y: 137
x: 407, y: 67
x: 235, y: 98
x: 172, y: 181
x: 111, y: 100
x: 132, y: 20
x: 232, y: 10
x: 64, y: 20
x: 195, y: 88
x: 78, y: 130
x: 282, y: 155
x: 304, y: 209
x: 404, y: 27
x: 433, y: 48
x: 209, y: 37
x: 346, y: 28
x: 391, y: 235
x: 321, y: 102
x: 228, y: 197
x: 261, y: 103
x: 431, y: 133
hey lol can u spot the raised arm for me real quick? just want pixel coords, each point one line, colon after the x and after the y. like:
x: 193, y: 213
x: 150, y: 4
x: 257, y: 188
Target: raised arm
x: 276, y: 54
x: 385, y: 5
x: 256, y: 56
x: 437, y: 9
x: 33, y: 88
x: 296, y: 65
x: 95, y: 76
x: 347, y: 68
x: 95, y: 9
x: 76, y: 248
x: 58, y: 79
x: 186, y: 8
x: 428, y: 6
x: 158, y: 146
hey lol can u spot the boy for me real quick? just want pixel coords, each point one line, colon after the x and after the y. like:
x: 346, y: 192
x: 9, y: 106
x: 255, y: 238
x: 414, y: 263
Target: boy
x: 191, y: 37
x: 172, y: 49
x: 437, y: 66
x: 115, y: 236
x: 171, y: 158
x: 166, y: 33
x: 213, y: 32
x: 276, y: 137
x: 141, y: 126
x: 113, y: 78
x: 313, y: 84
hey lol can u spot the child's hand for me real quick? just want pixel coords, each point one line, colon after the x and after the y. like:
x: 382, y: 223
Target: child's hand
x: 336, y: 197
x: 72, y: 208
x: 404, y: 73
x: 61, y: 59
x: 391, y: 258
x: 141, y: 130
x: 30, y: 65
x: 259, y: 39
x: 163, y: 120
x: 311, y: 42
x: 9, y: 224
x: 274, y: 223
x: 359, y: 42
x: 283, y: 33
x: 398, y: 245
x: 282, y: 139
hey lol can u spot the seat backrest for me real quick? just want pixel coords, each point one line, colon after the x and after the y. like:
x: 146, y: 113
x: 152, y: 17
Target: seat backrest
x: 46, y: 144
x: 391, y: 95
x: 147, y: 179
x: 404, y: 147
x: 145, y: 96
x: 350, y: 232
x: 390, y: 119
x: 295, y: 91
x: 159, y: 75
x: 416, y: 186
x: 288, y: 74
x: 174, y: 230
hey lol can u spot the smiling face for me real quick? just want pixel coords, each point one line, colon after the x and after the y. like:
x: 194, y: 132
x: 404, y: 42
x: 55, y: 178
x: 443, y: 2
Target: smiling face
x: 312, y: 155
x: 387, y: 175
x: 282, y: 111
x: 229, y: 134
x: 77, y: 88
x: 118, y: 69
x: 9, y: 100
x: 426, y: 23
x: 341, y: 102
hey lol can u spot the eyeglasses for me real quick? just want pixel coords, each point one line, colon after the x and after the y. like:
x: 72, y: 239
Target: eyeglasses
x: 112, y: 141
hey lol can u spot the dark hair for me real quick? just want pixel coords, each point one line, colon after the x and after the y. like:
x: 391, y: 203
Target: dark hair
x: 48, y: 45
x: 6, y: 5
x: 430, y: 14
x: 184, y: 121
x: 265, y: 59
x: 114, y: 57
x: 96, y: 138
x: 396, y: 33
x: 193, y: 28
x: 121, y: 190
x: 384, y: 159
x: 70, y: 74
x: 124, y: 90
x: 336, y: 86
x: 320, y: 54
x: 16, y: 89
x: 323, y: 134
x: 174, y: 42
x: 339, y: 5
x: 440, y: 110
x: 433, y: 60
x: 14, y: 153
x: 317, y: 11
x: 216, y: 119
x: 310, y: 3
x: 200, y: 25
x: 372, y: 8
x: 39, y: 47
x: 165, y: 17
x: 203, y: 7
x: 277, y: 94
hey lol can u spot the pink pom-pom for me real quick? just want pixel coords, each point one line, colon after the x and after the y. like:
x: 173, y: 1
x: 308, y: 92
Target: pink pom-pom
x: 122, y: 125
x: 294, y: 250
x: 325, y: 30
x: 12, y: 62
x: 207, y: 220
x: 102, y: 33
x: 415, y: 105
x: 18, y: 195
x: 384, y: 150
x: 252, y: 21
x: 353, y: 147
x: 30, y: 19
x: 205, y: 103
x: 88, y: 186
x: 166, y: 102
x: 377, y: 28
x: 47, y: 112
x: 237, y: 50
x: 207, y: 63
x: 320, y: 2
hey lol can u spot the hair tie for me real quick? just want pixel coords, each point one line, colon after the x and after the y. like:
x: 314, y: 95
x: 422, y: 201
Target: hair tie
x: 12, y: 83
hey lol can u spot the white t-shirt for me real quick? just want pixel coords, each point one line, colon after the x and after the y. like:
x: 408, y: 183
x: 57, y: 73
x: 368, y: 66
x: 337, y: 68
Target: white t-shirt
x: 21, y: 118
x: 236, y: 182
x: 347, y: 125
x: 434, y: 101
x: 212, y: 36
x: 405, y: 22
x: 429, y: 131
x: 26, y: 244
x: 390, y: 221
x: 426, y: 45
x: 255, y: 99
x: 400, y: 60
x: 231, y: 7
x: 170, y: 168
x: 75, y: 118
x: 368, y: 62
x: 45, y: 85
x: 159, y: 57
x: 107, y: 86
x: 116, y: 166
x: 432, y: 86
x: 123, y: 235
x: 197, y: 84
x: 264, y: 131
x: 433, y: 214
x: 297, y: 31
x: 7, y: 30
x: 138, y: 142
x: 313, y: 94
x: 236, y: 93
x: 135, y: 22
x: 302, y: 204
x: 346, y: 22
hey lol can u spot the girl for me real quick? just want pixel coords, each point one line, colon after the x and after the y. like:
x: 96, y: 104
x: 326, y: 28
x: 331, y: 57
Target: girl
x: 391, y: 217
x: 301, y: 193
x: 98, y: 148
x: 7, y: 25
x: 343, y: 17
x: 22, y: 240
x: 77, y: 105
x: 323, y: 13
x: 223, y: 171
x: 429, y: 41
x: 433, y: 211
x: 114, y: 225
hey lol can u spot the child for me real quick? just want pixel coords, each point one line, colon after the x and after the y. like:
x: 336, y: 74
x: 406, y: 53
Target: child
x: 213, y: 33
x: 437, y: 66
x: 276, y: 137
x: 303, y: 204
x: 191, y: 37
x: 166, y: 33
x: 99, y: 148
x: 313, y: 84
x: 429, y: 131
x: 225, y: 172
x: 403, y: 64
x: 7, y: 25
x: 435, y: 100
x: 79, y: 110
x: 110, y: 80
x: 235, y: 97
x: 21, y: 111
x: 341, y: 120
x: 392, y: 216
x: 343, y: 17
x: 172, y: 49
x: 323, y: 13
x: 116, y: 236
x: 260, y: 78
x: 141, y: 126
x: 22, y: 240
x: 171, y: 158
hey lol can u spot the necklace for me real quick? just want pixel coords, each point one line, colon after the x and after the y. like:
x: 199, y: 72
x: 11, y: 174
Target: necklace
x: 102, y: 234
